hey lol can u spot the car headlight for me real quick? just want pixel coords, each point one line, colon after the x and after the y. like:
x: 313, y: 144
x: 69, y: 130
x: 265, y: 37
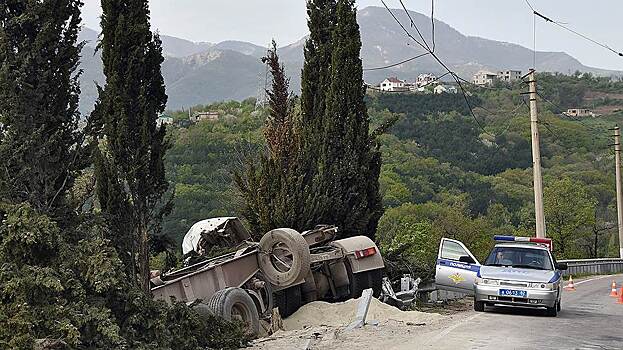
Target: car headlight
x: 487, y: 281
x: 540, y: 285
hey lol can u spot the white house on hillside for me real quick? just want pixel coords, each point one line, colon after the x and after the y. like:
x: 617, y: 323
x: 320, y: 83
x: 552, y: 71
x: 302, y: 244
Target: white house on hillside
x: 164, y: 120
x: 440, y: 89
x: 579, y: 112
x: 425, y: 79
x: 199, y: 116
x: 393, y: 84
x: 484, y: 78
x: 509, y: 75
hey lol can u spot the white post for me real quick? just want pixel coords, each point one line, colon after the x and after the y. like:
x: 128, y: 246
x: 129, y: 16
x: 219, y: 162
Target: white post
x: 362, y: 310
x: 536, y: 159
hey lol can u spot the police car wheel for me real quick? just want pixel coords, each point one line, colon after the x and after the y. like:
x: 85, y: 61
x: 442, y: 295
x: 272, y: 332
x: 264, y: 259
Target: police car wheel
x: 479, y: 306
x: 552, y: 311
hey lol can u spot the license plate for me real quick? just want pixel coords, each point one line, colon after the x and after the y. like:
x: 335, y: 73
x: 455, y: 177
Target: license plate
x: 513, y: 293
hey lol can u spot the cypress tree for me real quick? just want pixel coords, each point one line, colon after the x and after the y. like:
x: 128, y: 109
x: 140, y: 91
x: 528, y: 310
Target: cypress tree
x: 54, y: 273
x: 315, y: 84
x: 333, y: 179
x: 316, y: 74
x: 349, y: 167
x: 39, y: 88
x: 130, y: 167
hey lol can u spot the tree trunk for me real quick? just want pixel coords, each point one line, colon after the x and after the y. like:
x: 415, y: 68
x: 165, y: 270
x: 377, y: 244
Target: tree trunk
x: 143, y: 256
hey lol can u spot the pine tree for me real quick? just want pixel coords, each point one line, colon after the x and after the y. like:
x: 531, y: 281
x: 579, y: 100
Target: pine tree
x: 349, y: 167
x: 130, y: 169
x: 271, y: 187
x: 279, y: 130
x: 39, y: 88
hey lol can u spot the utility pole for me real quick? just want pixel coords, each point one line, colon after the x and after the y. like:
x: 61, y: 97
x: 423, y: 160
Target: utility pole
x: 617, y: 157
x: 536, y: 159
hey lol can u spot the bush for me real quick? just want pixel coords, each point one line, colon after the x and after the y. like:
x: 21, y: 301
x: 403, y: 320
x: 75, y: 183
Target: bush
x: 74, y: 294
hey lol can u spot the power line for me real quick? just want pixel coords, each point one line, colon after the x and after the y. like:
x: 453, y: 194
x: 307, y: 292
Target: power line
x: 561, y: 25
x: 413, y: 25
x: 505, y: 87
x: 378, y: 89
x: 398, y: 63
x: 454, y: 75
x: 533, y: 40
x: 403, y: 27
x: 432, y: 21
x: 425, y: 47
x: 570, y: 117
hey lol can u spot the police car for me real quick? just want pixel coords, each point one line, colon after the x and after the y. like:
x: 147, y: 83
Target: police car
x: 519, y: 271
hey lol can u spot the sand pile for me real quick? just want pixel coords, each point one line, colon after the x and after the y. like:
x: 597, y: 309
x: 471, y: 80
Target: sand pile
x: 320, y: 313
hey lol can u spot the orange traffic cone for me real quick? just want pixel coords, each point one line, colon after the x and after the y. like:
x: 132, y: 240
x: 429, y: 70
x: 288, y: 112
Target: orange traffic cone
x: 620, y: 299
x: 613, y: 290
x: 570, y: 286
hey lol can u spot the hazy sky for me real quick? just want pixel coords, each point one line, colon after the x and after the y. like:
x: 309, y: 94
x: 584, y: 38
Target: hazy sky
x: 258, y: 21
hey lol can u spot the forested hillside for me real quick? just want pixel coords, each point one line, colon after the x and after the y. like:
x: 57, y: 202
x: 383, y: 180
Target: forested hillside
x: 442, y: 175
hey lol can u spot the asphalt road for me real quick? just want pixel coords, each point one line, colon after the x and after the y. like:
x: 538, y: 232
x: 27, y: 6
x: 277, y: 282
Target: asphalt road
x: 589, y: 319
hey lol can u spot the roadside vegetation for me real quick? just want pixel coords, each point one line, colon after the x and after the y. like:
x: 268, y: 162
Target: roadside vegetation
x: 442, y: 175
x: 87, y: 212
x: 79, y: 206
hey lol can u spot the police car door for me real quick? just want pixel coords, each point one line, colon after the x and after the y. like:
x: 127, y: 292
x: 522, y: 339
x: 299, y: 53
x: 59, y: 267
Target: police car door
x: 456, y: 267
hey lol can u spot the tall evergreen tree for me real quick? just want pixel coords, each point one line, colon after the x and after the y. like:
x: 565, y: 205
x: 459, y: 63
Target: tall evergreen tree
x: 334, y: 176
x: 316, y: 81
x: 130, y: 167
x: 316, y: 74
x: 48, y: 262
x: 39, y: 88
x: 271, y: 187
x: 349, y: 167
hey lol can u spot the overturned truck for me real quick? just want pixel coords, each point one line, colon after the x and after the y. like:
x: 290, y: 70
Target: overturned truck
x: 285, y: 269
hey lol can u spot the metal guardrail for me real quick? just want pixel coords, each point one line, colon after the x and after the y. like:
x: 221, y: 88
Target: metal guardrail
x: 602, y: 266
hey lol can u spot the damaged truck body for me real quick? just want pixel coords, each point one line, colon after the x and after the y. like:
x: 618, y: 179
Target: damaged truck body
x: 284, y: 270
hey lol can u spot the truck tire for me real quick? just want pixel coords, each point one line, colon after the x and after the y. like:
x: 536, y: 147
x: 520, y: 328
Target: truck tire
x: 288, y: 300
x: 267, y: 295
x: 284, y: 257
x: 234, y: 304
x: 364, y: 280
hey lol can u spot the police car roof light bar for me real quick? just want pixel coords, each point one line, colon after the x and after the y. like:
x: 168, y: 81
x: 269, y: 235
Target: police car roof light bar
x: 522, y: 239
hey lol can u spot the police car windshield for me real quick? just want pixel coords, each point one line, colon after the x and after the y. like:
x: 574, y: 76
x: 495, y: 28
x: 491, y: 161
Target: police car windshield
x: 520, y: 257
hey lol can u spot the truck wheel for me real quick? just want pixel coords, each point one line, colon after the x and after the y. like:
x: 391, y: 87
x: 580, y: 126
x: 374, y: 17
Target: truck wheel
x: 284, y: 257
x: 234, y: 304
x: 268, y: 296
x: 364, y: 280
x: 288, y: 300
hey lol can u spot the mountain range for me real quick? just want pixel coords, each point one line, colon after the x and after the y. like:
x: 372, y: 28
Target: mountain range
x: 202, y: 72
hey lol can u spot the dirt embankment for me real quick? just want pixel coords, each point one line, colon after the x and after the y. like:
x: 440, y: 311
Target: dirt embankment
x: 321, y: 325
